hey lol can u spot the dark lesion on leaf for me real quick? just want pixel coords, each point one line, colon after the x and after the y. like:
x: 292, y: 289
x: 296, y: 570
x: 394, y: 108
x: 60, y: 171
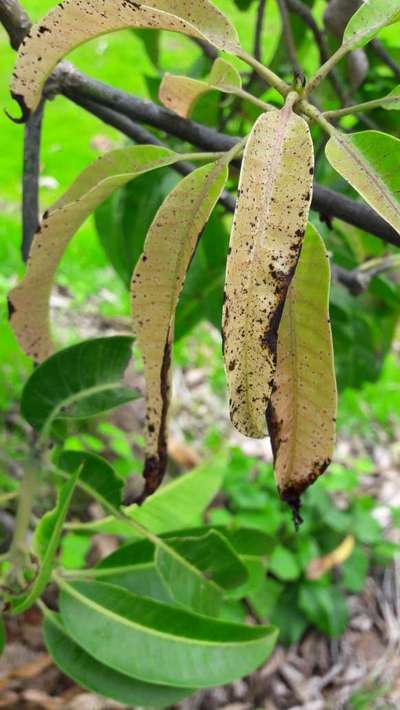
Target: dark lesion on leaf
x: 26, y: 112
x: 11, y: 308
x: 155, y: 465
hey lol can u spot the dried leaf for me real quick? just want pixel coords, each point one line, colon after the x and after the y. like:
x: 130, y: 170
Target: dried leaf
x: 271, y: 216
x: 73, y: 22
x: 29, y: 301
x: 319, y: 566
x: 302, y: 411
x: 156, y: 285
x: 179, y: 93
x: 369, y: 161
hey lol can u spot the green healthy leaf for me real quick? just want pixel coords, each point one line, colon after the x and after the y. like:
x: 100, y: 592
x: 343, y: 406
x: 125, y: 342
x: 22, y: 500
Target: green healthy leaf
x: 156, y: 285
x: 45, y: 544
x: 391, y: 102
x: 301, y: 414
x: 29, y: 301
x: 89, y: 673
x: 283, y: 564
x: 186, y: 586
x: 180, y: 93
x: 325, y: 608
x: 179, y: 504
x: 97, y: 476
x: 158, y: 643
x: 354, y: 571
x: 369, y: 161
x: 271, y: 216
x: 73, y: 23
x: 371, y: 17
x: 123, y: 220
x: 78, y: 382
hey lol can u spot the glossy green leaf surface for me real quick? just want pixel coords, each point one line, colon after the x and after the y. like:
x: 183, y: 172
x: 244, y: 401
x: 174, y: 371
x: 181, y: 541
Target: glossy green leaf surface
x: 29, y: 301
x: 369, y: 161
x: 45, y: 543
x: 89, y: 673
x: 371, y: 17
x: 158, y: 643
x: 78, y: 382
x: 97, y: 476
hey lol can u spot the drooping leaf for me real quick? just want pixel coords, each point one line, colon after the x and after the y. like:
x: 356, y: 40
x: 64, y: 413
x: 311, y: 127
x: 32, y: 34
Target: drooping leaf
x: 180, y: 93
x: 302, y: 411
x: 271, y: 216
x: 80, y: 381
x: 97, y: 476
x: 158, y: 643
x: 123, y: 220
x: 156, y: 285
x: 29, y: 301
x: 179, y: 504
x: 45, y: 544
x: 89, y: 673
x: 369, y: 161
x: 74, y: 22
x: 371, y: 17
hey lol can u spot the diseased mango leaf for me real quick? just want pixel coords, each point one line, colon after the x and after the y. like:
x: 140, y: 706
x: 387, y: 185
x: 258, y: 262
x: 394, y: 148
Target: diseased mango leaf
x: 180, y: 93
x: 45, y: 544
x: 29, y: 301
x: 156, y: 285
x: 301, y: 413
x: 73, y: 22
x: 201, y: 652
x: 79, y: 382
x: 99, y: 678
x: 271, y: 216
x: 371, y: 17
x: 369, y: 161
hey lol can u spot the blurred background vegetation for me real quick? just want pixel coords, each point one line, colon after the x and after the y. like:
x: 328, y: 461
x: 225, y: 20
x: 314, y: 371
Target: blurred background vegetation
x: 355, y: 509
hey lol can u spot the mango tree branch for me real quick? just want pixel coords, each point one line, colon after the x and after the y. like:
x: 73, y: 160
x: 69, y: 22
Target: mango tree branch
x: 288, y: 37
x: 358, y: 108
x: 15, y: 20
x: 258, y: 30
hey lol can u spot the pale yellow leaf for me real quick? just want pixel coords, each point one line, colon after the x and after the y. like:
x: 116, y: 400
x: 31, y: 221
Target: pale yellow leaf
x: 180, y: 93
x: 302, y: 410
x: 156, y: 285
x: 270, y: 220
x: 29, y: 301
x: 74, y: 22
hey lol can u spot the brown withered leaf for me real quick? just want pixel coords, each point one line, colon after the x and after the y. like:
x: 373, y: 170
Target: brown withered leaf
x: 156, y: 285
x: 302, y: 410
x: 271, y: 216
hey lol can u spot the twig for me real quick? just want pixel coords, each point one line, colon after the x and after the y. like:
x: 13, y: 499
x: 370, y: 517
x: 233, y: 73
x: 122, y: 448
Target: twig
x: 258, y: 30
x: 15, y: 20
x: 288, y: 38
x: 30, y: 179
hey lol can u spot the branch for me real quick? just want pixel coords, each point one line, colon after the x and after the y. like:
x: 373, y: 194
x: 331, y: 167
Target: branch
x: 259, y: 29
x: 378, y: 48
x: 15, y: 20
x: 30, y: 180
x: 78, y: 87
